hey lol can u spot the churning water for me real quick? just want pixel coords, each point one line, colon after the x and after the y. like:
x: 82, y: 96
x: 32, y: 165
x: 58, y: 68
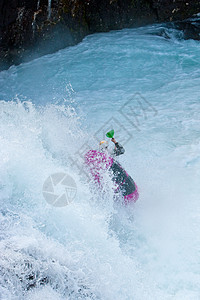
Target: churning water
x: 148, y: 88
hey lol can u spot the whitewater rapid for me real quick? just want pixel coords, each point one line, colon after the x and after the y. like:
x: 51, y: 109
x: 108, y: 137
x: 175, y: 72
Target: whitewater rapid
x: 147, y: 88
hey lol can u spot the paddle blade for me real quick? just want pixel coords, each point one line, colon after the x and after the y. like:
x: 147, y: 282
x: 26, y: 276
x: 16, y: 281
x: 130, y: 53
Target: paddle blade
x: 110, y: 134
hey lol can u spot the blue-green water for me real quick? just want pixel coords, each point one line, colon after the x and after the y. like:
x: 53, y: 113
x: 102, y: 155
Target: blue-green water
x: 147, y: 88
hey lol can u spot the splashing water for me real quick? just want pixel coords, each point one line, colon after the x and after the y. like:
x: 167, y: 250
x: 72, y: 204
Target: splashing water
x: 94, y: 249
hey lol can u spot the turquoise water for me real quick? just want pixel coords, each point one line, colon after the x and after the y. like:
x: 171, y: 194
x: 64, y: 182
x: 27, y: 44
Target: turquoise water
x: 147, y: 88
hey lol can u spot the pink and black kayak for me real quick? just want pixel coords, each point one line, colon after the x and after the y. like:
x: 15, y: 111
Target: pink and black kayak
x: 97, y: 162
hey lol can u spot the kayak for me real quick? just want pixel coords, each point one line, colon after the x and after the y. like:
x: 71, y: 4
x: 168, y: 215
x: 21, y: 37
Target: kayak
x: 98, y: 162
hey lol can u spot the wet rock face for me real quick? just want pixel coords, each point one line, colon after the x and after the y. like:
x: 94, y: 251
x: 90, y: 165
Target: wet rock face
x: 190, y: 28
x: 173, y: 10
x: 29, y: 28
x: 116, y: 14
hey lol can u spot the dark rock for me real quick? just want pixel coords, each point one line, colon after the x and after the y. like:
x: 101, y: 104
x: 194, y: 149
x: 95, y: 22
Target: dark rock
x: 29, y: 29
x: 190, y: 28
x: 173, y: 10
x: 187, y: 29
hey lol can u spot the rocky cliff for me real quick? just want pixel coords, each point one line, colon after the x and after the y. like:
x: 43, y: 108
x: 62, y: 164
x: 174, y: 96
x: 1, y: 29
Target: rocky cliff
x: 30, y: 28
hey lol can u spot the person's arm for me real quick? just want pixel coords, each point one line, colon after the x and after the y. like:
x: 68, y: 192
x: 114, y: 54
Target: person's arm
x: 119, y: 149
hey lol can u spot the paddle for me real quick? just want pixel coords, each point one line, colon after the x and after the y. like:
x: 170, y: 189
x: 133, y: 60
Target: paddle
x: 110, y: 134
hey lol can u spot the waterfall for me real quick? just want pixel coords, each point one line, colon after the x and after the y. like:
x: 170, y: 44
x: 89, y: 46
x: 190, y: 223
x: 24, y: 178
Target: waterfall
x: 20, y: 15
x: 64, y: 102
x: 38, y: 4
x: 49, y: 9
x: 34, y: 23
x: 34, y: 17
